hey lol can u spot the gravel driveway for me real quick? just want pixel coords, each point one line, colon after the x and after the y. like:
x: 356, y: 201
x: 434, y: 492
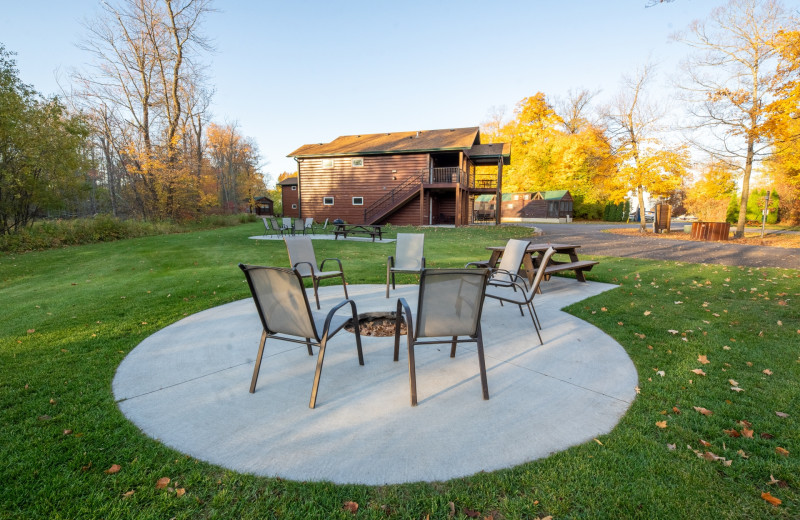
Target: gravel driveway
x: 594, y: 241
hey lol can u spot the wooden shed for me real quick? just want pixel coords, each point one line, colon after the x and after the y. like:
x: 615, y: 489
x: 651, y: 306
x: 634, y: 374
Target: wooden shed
x: 263, y: 206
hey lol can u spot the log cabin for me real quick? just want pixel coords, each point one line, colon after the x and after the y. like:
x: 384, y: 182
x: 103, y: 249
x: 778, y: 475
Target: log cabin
x: 417, y: 178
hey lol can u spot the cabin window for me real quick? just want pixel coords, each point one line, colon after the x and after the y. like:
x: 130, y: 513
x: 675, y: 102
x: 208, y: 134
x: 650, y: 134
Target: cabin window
x: 358, y: 201
x: 327, y: 201
x: 357, y: 163
x: 327, y: 163
x: 526, y: 197
x: 294, y: 206
x: 294, y: 188
x: 516, y: 197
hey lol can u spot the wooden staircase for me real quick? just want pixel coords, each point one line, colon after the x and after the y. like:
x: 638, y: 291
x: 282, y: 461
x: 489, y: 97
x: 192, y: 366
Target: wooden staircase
x: 405, y: 190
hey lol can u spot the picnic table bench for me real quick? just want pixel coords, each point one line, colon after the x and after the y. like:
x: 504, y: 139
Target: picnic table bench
x: 532, y: 259
x: 358, y: 229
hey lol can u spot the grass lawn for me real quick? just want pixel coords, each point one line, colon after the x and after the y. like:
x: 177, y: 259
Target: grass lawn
x: 714, y: 428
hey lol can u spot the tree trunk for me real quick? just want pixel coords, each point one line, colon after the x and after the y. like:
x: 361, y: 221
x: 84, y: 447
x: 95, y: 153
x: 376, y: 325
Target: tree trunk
x: 642, y: 221
x: 748, y: 168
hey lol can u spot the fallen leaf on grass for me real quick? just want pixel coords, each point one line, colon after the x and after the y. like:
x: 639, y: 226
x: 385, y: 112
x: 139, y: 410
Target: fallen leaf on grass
x: 699, y: 371
x: 470, y: 513
x: 676, y: 410
x: 113, y: 469
x: 703, y: 359
x: 452, y: 512
x: 732, y: 433
x: 767, y: 371
x: 703, y: 411
x: 162, y: 482
x: 780, y: 483
x: 747, y: 432
x: 737, y: 389
x: 128, y: 493
x: 705, y: 443
x: 671, y: 447
x: 742, y: 454
x: 733, y: 382
x: 782, y: 414
x: 598, y: 442
x: 782, y: 451
x: 180, y: 492
x: 765, y: 435
x: 661, y: 424
x: 771, y: 499
x: 351, y: 507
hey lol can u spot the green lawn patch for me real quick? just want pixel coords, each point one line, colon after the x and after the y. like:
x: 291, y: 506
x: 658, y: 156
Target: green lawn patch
x: 696, y: 334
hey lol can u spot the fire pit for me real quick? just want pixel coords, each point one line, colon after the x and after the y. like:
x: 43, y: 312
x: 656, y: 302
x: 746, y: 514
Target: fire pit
x: 379, y: 324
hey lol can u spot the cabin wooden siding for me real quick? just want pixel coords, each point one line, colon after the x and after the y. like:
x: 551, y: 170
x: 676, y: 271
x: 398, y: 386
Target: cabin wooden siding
x: 343, y: 181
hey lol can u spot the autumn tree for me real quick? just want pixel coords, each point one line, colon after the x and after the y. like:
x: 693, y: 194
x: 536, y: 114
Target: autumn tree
x: 647, y: 162
x: 145, y: 78
x: 41, y: 151
x: 234, y: 159
x: 710, y: 193
x: 727, y: 84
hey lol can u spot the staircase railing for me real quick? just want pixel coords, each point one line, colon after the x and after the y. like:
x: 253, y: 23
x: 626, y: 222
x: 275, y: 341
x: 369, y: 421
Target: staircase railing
x: 399, y: 193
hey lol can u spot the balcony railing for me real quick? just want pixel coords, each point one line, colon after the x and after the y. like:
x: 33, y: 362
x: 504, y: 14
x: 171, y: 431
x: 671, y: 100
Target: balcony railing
x: 448, y: 175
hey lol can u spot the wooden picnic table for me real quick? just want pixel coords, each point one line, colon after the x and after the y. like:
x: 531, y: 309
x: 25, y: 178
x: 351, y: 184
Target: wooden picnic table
x: 533, y: 257
x: 372, y: 230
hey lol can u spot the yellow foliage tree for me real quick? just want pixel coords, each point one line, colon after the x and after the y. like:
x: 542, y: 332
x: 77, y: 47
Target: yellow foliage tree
x: 710, y: 194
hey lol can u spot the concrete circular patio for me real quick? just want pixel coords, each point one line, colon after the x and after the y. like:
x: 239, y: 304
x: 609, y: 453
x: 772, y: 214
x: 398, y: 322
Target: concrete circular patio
x: 187, y: 386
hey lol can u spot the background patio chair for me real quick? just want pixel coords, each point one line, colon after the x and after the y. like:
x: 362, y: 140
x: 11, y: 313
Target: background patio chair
x: 519, y: 293
x: 505, y: 273
x: 308, y: 225
x: 286, y: 226
x: 298, y: 227
x: 449, y: 305
x: 278, y: 227
x: 302, y: 258
x: 269, y: 230
x: 409, y: 257
x: 283, y: 308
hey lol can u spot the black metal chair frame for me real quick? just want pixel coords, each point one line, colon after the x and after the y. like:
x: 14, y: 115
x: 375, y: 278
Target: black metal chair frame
x: 315, y: 278
x: 403, y: 309
x: 319, y: 340
x: 391, y: 270
x: 519, y: 286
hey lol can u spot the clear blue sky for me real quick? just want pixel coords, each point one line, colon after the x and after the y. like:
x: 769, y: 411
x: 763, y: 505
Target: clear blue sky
x: 297, y: 72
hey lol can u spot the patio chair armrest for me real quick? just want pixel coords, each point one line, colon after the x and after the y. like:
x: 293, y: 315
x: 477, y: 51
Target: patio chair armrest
x: 322, y: 265
x: 477, y: 264
x: 390, y: 261
x: 515, y: 277
x: 402, y: 307
x: 311, y: 266
x: 423, y: 262
x: 338, y: 306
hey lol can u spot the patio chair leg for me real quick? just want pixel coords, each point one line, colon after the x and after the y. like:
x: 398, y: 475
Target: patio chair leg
x: 412, y: 373
x: 482, y: 364
x: 316, y: 286
x: 388, y: 270
x: 308, y: 346
x: 258, y: 361
x: 538, y: 322
x: 344, y: 285
x: 535, y: 326
x: 357, y: 331
x: 318, y: 372
x: 453, y: 347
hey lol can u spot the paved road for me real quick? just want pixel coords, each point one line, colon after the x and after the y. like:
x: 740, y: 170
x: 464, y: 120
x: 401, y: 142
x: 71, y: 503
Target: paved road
x: 594, y: 242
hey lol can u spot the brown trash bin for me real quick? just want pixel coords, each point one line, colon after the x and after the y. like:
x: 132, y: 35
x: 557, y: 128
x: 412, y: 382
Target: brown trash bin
x: 710, y: 231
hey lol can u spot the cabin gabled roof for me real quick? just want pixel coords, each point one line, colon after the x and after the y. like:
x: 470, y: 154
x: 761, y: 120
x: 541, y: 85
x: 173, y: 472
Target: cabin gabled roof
x: 394, y: 142
x: 288, y: 181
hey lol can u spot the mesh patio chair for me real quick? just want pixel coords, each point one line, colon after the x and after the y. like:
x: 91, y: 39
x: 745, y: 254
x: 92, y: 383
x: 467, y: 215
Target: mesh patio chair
x: 269, y: 230
x: 308, y: 225
x: 283, y: 308
x: 276, y: 226
x: 519, y: 293
x: 302, y: 258
x: 449, y: 306
x: 286, y: 225
x: 409, y: 257
x: 299, y: 227
x: 506, y: 273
